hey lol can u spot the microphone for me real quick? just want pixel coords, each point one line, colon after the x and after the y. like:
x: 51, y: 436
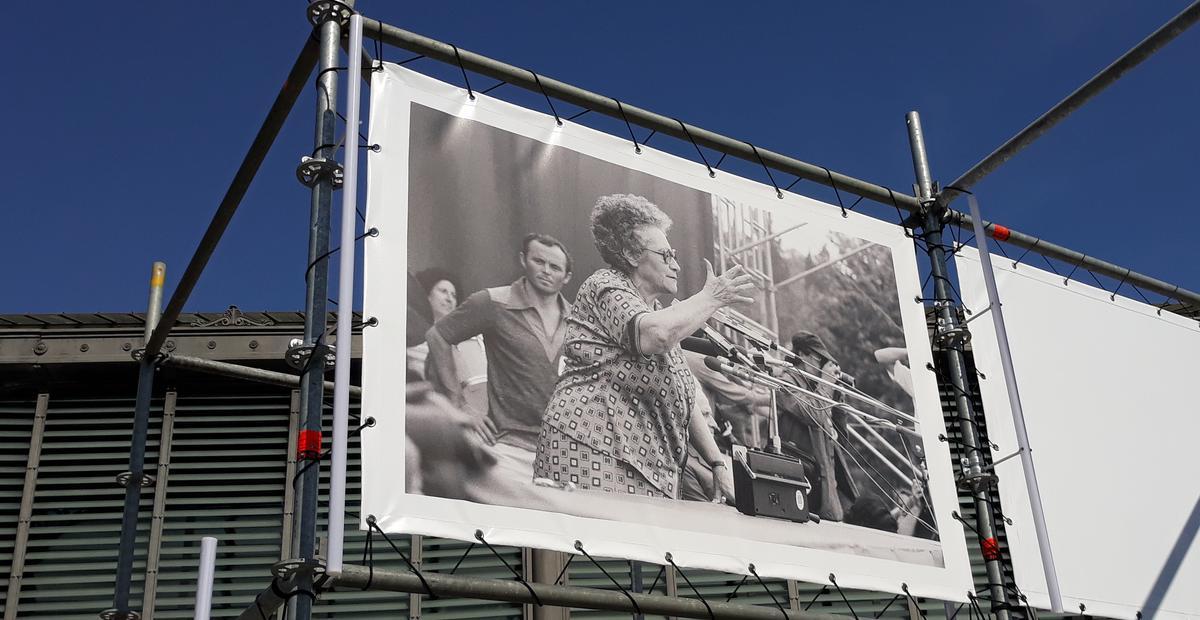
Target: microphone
x: 703, y: 346
x: 721, y: 366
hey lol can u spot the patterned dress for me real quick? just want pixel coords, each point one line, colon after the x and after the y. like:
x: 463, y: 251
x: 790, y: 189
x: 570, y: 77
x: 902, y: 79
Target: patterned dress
x: 617, y: 420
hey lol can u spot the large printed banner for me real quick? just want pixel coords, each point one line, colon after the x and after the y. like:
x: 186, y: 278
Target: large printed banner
x: 541, y: 372
x: 1108, y: 386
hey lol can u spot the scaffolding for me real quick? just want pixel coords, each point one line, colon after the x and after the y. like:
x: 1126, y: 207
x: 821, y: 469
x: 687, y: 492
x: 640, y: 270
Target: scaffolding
x: 744, y: 239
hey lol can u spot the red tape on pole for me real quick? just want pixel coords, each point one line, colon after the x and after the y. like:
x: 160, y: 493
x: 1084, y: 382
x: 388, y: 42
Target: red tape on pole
x: 990, y: 548
x: 308, y: 444
x: 1000, y: 233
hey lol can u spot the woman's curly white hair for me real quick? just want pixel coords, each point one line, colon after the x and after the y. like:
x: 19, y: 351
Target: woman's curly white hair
x: 615, y: 218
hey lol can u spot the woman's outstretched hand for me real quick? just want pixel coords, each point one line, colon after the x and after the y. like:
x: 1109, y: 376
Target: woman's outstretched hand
x: 735, y: 286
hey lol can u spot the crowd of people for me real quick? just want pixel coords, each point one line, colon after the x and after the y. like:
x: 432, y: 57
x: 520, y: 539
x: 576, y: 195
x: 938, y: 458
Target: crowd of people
x: 596, y: 394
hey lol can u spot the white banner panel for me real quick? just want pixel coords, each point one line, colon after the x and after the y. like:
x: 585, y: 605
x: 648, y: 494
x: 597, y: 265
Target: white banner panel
x: 559, y: 405
x: 1108, y: 390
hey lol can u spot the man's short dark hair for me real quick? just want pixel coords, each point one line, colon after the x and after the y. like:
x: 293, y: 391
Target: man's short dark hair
x: 548, y: 241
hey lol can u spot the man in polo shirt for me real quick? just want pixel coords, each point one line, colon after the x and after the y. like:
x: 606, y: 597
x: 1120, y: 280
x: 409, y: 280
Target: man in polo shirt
x: 523, y: 326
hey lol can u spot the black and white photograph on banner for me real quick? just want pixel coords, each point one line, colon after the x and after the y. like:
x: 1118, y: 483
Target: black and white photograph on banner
x: 583, y: 338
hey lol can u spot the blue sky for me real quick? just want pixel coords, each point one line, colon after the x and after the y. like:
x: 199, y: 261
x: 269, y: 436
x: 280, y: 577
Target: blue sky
x: 125, y: 127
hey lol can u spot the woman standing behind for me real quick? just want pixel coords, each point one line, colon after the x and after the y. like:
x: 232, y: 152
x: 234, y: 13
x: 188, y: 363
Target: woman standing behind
x: 621, y: 417
x: 441, y: 292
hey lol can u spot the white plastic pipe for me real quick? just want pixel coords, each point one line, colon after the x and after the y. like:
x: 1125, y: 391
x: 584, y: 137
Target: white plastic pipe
x: 1018, y: 414
x: 341, y: 376
x: 204, y: 583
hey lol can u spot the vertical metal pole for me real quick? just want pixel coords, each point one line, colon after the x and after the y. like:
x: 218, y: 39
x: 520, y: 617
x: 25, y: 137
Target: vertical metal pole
x: 287, y: 539
x: 947, y: 320
x: 137, y: 449
x: 416, y: 550
x: 1018, y: 414
x: 204, y: 583
x: 312, y: 384
x: 635, y: 583
x: 159, y: 513
x: 25, y: 515
x: 341, y: 368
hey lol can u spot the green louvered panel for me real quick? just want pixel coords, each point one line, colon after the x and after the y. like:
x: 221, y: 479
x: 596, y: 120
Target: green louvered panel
x: 226, y: 480
x: 75, y: 530
x: 16, y: 423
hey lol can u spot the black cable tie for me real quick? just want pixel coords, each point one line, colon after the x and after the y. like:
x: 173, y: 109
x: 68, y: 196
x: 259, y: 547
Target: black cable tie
x: 793, y: 184
x: 458, y: 57
x: 520, y: 578
x: 578, y: 114
x: 904, y: 587
x: 1097, y: 281
x: 1141, y: 294
x: 492, y: 87
x: 1027, y: 251
x: 1067, y: 279
x: 369, y: 558
x: 327, y: 70
x: 833, y: 580
x: 768, y: 590
x: 687, y: 133
x: 836, y: 193
x: 778, y: 194
x: 646, y: 140
x: 462, y: 557
x: 293, y: 593
x: 693, y: 587
x: 374, y: 148
x: 637, y: 610
x: 662, y: 569
x: 888, y: 606
x: 959, y: 608
x: 824, y: 589
x: 567, y: 564
x: 899, y: 213
x: 620, y: 108
x: 378, y: 48
x: 718, y: 164
x: 417, y: 57
x: 538, y: 80
x: 371, y: 232
x: 736, y: 588
x: 371, y: 522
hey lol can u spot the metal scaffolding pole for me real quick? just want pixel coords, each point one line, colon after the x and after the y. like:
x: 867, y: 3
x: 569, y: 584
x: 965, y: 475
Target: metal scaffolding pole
x: 134, y: 478
x: 947, y: 327
x: 237, y: 371
x: 523, y: 78
x: 455, y: 586
x: 1107, y: 76
x: 312, y: 383
x: 237, y: 189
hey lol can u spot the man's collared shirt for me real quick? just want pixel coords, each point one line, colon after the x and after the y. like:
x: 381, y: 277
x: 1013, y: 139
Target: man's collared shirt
x: 522, y: 358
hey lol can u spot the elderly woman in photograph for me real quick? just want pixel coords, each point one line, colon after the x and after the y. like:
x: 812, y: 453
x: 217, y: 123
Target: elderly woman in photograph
x: 624, y: 410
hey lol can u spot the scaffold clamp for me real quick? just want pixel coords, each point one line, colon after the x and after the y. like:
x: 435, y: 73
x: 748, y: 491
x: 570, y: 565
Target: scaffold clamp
x: 321, y: 11
x: 113, y: 614
x: 298, y: 354
x: 312, y: 169
x: 124, y: 477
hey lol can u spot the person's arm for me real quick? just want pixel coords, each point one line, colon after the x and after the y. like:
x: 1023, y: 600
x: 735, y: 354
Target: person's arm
x: 467, y: 320
x: 702, y: 440
x: 659, y: 330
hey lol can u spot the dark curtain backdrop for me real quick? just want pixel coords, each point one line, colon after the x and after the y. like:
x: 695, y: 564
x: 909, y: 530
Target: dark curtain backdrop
x: 475, y: 191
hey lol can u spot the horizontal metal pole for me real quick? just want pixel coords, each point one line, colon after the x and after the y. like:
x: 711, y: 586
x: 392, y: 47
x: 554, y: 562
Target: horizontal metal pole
x: 1110, y: 74
x: 249, y: 373
x: 283, y: 104
x: 456, y: 586
x: 523, y: 78
x: 1051, y: 250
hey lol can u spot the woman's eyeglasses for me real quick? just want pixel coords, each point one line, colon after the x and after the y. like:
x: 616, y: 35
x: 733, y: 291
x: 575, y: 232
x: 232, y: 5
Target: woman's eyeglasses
x: 667, y: 255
